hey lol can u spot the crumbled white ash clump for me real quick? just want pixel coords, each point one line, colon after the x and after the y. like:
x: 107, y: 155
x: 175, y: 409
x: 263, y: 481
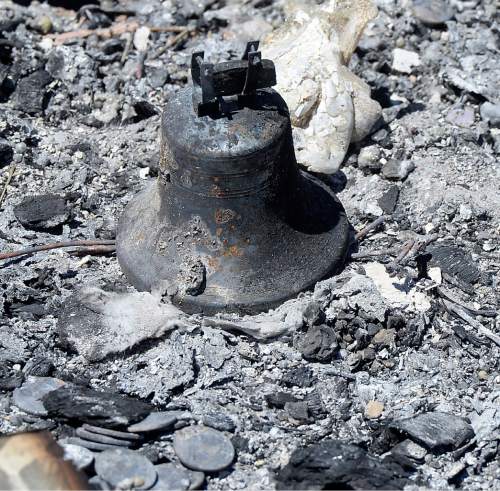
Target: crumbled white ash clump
x: 329, y: 106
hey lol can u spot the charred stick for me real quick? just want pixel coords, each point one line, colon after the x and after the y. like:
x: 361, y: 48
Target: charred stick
x: 94, y: 250
x: 371, y: 226
x: 457, y: 311
x: 57, y: 245
x: 358, y: 256
x: 107, y: 32
x: 407, y: 247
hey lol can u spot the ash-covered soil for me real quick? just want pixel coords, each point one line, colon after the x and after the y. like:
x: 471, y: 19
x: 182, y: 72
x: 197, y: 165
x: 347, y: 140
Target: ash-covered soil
x: 385, y: 376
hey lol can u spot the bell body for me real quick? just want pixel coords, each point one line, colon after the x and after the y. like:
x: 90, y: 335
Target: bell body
x: 231, y: 224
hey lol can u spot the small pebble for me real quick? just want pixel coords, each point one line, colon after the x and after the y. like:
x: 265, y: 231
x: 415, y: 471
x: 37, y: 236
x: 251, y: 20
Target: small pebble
x: 203, y: 449
x: 490, y: 113
x: 482, y: 375
x: 116, y: 466
x: 219, y: 421
x: 369, y: 158
x: 461, y: 117
x: 397, y: 170
x: 404, y: 61
x: 21, y: 148
x: 44, y: 24
x: 374, y: 409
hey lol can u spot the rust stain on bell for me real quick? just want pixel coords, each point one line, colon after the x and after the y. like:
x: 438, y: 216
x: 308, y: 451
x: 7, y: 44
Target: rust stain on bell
x: 232, y: 198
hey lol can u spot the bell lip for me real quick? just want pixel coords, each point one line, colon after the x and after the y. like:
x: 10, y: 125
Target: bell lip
x: 208, y: 304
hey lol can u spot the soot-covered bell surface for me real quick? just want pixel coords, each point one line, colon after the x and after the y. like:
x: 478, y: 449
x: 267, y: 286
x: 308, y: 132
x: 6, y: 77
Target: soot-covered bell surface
x: 231, y: 224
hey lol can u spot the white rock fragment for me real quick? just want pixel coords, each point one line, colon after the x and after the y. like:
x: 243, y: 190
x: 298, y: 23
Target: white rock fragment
x: 435, y: 275
x: 395, y: 290
x: 329, y: 105
x: 404, y: 61
x: 141, y: 38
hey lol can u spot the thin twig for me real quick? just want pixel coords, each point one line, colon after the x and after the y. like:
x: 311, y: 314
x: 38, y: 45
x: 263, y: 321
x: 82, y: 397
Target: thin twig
x: 169, y: 29
x: 56, y: 245
x: 357, y: 256
x: 10, y: 174
x: 407, y: 247
x: 106, y: 32
x: 445, y: 293
x: 94, y: 250
x: 371, y: 226
x: 172, y: 42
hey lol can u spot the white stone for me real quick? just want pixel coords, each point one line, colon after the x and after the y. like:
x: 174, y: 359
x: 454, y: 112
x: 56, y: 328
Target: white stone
x: 435, y: 275
x: 141, y: 38
x: 404, y: 61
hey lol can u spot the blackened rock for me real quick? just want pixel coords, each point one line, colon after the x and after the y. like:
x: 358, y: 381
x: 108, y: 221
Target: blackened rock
x: 43, y: 212
x: 318, y: 344
x: 315, y: 404
x: 219, y: 421
x: 436, y: 431
x: 397, y: 170
x: 279, y: 399
x: 55, y: 63
x: 455, y: 262
x: 6, y: 152
x: 91, y: 406
x: 332, y: 464
x: 313, y: 313
x: 297, y: 410
x: 389, y: 200
x: 30, y: 95
x: 298, y: 377
x: 409, y: 454
x: 39, y: 367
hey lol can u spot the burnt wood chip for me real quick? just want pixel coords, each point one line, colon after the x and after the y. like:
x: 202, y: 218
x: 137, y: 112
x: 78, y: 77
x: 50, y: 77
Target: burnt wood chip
x: 44, y: 212
x: 438, y: 432
x: 456, y: 262
x: 83, y: 404
x: 318, y: 344
x: 6, y: 150
x: 279, y: 399
x: 30, y: 95
x: 333, y: 464
x: 298, y: 377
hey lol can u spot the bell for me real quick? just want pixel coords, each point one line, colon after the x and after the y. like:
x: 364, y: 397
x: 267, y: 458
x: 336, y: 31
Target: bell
x: 231, y: 224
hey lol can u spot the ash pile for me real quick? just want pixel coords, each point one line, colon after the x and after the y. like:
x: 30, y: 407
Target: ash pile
x: 384, y: 376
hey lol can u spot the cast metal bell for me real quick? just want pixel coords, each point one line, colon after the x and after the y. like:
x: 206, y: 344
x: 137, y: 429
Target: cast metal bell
x: 231, y: 224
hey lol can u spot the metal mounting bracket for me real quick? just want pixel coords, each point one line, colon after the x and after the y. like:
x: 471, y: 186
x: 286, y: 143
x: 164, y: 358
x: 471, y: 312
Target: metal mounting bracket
x: 230, y: 78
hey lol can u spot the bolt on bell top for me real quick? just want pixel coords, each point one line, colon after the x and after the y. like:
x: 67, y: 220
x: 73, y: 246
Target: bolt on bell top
x: 231, y: 223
